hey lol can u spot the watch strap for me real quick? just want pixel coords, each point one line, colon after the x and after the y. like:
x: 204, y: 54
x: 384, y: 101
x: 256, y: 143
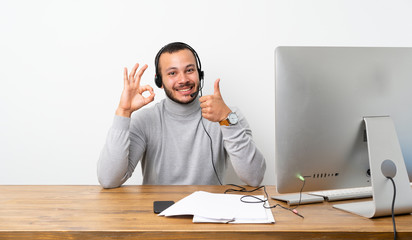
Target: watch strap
x: 224, y: 122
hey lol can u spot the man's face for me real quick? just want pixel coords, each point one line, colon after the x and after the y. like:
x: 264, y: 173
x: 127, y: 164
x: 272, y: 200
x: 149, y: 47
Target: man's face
x: 179, y: 75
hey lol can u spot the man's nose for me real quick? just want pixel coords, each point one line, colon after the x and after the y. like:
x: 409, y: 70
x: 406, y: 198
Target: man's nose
x: 183, y: 78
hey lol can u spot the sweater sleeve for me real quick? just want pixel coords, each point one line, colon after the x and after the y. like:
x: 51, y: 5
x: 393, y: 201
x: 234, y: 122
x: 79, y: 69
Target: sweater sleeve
x: 248, y: 162
x: 120, y: 154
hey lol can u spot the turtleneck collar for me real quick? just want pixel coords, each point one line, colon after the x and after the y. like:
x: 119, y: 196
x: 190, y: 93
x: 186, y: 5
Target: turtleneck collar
x: 182, y: 109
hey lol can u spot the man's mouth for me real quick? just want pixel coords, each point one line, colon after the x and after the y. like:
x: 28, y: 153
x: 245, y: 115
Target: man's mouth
x: 185, y: 89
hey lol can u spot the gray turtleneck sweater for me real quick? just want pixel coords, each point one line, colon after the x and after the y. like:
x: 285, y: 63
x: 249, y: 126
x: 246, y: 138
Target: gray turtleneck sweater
x: 170, y: 140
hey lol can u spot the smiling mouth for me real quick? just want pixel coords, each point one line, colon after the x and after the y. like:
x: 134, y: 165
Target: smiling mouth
x: 185, y: 89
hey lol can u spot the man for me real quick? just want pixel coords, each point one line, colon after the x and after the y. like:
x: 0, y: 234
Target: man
x: 184, y: 139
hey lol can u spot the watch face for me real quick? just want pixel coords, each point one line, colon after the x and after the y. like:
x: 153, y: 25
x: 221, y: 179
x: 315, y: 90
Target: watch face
x: 233, y: 118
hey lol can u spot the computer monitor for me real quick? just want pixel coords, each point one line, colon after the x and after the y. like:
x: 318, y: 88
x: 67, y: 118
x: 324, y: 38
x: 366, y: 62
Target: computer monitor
x: 340, y: 112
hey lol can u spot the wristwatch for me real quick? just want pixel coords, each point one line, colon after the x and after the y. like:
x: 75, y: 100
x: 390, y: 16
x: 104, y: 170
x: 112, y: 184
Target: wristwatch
x: 232, y: 119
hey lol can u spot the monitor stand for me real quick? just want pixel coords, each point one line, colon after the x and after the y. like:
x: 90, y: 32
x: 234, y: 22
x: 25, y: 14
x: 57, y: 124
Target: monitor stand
x: 385, y: 159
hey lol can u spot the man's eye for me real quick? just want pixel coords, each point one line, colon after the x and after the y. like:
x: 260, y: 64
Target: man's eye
x: 190, y: 70
x: 171, y: 73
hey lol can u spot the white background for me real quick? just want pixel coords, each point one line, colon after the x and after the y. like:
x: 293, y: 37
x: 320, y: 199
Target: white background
x: 61, y: 65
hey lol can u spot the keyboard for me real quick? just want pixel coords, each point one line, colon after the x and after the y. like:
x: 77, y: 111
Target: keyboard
x: 345, y: 194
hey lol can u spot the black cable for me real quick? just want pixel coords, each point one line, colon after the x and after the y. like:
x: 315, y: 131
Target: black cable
x: 210, y: 140
x: 243, y: 189
x: 393, y: 207
x: 211, y: 150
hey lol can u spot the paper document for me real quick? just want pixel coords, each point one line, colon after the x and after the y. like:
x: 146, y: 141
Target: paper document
x: 219, y: 208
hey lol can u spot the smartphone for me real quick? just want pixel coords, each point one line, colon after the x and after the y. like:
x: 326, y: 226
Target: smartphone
x: 159, y: 206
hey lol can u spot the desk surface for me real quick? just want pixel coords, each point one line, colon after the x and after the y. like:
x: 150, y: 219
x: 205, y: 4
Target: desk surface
x: 90, y: 212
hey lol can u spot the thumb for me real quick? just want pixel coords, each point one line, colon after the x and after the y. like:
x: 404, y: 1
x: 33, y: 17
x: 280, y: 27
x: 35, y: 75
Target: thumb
x: 217, y: 87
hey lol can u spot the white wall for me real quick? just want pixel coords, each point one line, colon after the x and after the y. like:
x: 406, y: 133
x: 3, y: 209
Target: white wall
x: 61, y: 66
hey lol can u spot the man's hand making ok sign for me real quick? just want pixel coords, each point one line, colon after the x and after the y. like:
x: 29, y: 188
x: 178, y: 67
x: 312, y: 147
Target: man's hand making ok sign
x: 132, y: 97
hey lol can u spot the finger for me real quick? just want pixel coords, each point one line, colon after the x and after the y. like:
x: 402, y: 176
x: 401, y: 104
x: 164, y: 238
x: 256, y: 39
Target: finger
x: 149, y: 98
x: 203, y: 105
x: 146, y: 88
x: 217, y: 87
x: 126, y: 80
x: 205, y: 98
x: 133, y: 72
x: 140, y: 73
x: 206, y: 104
x: 206, y: 115
x: 207, y: 110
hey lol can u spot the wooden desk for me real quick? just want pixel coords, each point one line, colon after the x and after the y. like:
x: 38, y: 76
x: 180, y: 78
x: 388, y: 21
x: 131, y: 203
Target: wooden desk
x: 90, y: 212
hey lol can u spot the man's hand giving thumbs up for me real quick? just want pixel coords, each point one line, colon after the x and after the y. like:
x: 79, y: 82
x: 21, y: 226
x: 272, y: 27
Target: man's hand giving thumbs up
x: 213, y: 107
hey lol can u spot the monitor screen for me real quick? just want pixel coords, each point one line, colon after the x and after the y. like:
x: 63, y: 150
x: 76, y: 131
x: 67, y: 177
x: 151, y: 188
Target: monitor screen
x: 322, y: 96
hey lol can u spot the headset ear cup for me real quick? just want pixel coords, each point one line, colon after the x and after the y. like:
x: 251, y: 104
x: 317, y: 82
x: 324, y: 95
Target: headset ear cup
x: 158, y: 81
x: 201, y: 75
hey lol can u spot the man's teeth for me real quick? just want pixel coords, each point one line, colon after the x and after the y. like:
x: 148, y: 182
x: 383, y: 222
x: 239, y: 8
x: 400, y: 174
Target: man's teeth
x: 184, y: 90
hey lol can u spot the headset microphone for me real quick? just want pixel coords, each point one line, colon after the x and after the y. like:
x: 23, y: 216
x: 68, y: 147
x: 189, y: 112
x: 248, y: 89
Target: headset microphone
x: 201, y: 75
x: 194, y: 94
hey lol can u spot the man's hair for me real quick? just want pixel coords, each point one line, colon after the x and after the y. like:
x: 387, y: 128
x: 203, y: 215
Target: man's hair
x: 172, y: 48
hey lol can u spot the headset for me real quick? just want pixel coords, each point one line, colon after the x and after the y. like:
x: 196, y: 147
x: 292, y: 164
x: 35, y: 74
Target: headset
x: 180, y: 46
